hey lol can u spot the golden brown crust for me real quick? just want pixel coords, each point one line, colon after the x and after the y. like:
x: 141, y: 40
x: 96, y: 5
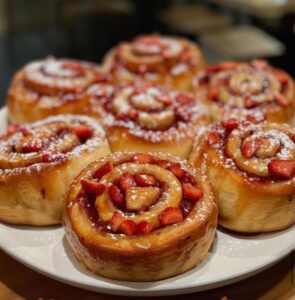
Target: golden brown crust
x: 51, y: 87
x: 251, y: 167
x: 145, y: 117
x: 167, y: 61
x: 164, y: 251
x: 39, y: 161
x: 232, y: 89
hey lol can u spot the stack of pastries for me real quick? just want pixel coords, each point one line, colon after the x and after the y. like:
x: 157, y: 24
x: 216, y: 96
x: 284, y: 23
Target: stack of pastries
x: 142, y: 156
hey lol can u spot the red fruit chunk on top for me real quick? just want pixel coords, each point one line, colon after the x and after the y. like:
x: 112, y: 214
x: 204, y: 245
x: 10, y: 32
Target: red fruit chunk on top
x: 185, y: 99
x: 255, y: 118
x: 104, y: 169
x: 177, y: 171
x: 128, y: 227
x: 127, y: 181
x: 84, y: 132
x: 230, y: 124
x: 51, y: 156
x: 92, y: 188
x: 116, y: 221
x: 190, y: 192
x: 248, y: 103
x: 282, y: 168
x: 163, y: 163
x: 213, y: 137
x: 144, y: 227
x: 116, y: 195
x: 143, y: 158
x: 32, y: 146
x: 213, y: 93
x: 250, y: 148
x: 170, y: 215
x: 282, y: 100
x: 145, y: 180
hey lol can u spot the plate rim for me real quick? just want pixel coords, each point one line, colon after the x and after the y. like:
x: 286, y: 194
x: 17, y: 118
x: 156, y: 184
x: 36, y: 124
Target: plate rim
x: 180, y: 288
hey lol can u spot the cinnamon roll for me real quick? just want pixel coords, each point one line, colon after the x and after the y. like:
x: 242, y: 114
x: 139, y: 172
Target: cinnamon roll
x: 39, y: 161
x: 232, y: 89
x: 145, y: 117
x: 50, y: 87
x: 140, y: 216
x: 167, y: 61
x: 252, y: 168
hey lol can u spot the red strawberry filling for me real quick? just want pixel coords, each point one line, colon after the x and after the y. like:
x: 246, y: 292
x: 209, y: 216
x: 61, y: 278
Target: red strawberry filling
x: 282, y: 168
x: 137, y: 193
x: 83, y: 132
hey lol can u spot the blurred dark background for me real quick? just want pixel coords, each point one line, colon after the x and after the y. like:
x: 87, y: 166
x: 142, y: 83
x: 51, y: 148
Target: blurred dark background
x: 86, y: 29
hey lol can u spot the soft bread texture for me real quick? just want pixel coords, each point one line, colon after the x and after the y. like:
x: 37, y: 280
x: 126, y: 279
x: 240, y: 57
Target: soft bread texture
x: 246, y: 203
x: 34, y: 194
x: 125, y: 65
x: 232, y: 89
x: 33, y: 95
x: 159, y: 130
x: 162, y: 253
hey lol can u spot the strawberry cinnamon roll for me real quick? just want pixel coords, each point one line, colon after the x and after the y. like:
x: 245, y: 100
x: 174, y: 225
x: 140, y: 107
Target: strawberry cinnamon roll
x: 232, y: 89
x: 50, y: 87
x: 164, y: 60
x: 140, y: 216
x: 39, y: 161
x: 145, y: 117
x: 252, y: 168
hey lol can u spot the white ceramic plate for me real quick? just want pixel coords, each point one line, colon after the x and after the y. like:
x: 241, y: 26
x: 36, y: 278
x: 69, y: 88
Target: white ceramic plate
x: 231, y: 258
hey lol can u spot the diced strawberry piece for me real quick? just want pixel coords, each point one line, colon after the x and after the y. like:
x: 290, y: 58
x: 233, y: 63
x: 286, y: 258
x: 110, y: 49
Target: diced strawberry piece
x: 165, y: 99
x: 230, y: 124
x: 248, y: 103
x: 143, y: 158
x: 51, y: 156
x: 15, y: 127
x: 92, y: 188
x: 191, y: 193
x: 126, y: 181
x: 144, y: 227
x: 282, y: 168
x: 128, y: 115
x: 256, y: 118
x: 84, y: 132
x: 282, y: 77
x: 213, y: 93
x: 213, y: 137
x: 282, y: 100
x: 116, y: 195
x: 177, y: 170
x: 104, y: 169
x: 25, y: 131
x: 72, y: 66
x: 116, y: 221
x: 227, y: 65
x: 12, y: 128
x: 163, y: 164
x: 170, y: 215
x: 32, y: 146
x: 185, y: 98
x: 128, y: 227
x: 250, y: 148
x: 145, y: 180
